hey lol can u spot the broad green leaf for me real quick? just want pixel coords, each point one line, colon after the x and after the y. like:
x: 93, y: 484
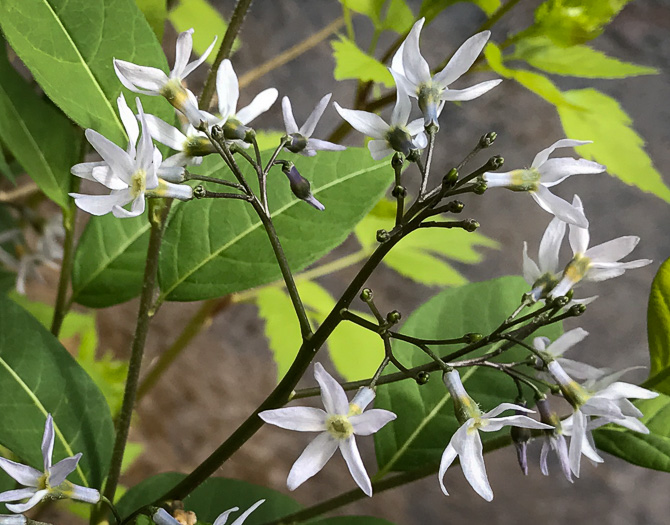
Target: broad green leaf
x: 41, y: 138
x: 7, y: 281
x: 595, y: 116
x: 421, y: 255
x: 213, y: 247
x: 109, y: 261
x: 569, y: 22
x: 268, y: 139
x: 394, y: 15
x: 206, y: 20
x: 425, y: 413
x: 538, y: 84
x: 352, y: 520
x: 5, y: 168
x: 431, y: 8
x: 39, y: 377
x: 213, y: 497
x: 155, y: 11
x: 352, y: 62
x: 575, y: 61
x: 355, y: 351
x: 68, y: 45
x: 646, y: 450
x: 658, y: 330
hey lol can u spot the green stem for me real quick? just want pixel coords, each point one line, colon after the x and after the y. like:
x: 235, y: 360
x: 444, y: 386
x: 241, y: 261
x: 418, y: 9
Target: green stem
x: 226, y: 47
x: 377, y: 486
x: 111, y: 507
x: 201, y: 319
x: 62, y: 304
x: 158, y: 210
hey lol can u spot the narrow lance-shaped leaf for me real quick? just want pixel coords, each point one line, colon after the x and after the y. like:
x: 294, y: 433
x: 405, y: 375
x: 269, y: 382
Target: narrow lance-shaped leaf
x: 213, y: 247
x: 41, y: 138
x: 39, y: 377
x: 68, y: 45
x: 426, y: 418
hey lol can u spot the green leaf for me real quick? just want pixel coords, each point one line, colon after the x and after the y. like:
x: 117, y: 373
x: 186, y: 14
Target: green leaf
x: 431, y: 8
x: 109, y: 261
x: 68, y: 45
x: 425, y: 413
x: 538, y: 84
x: 206, y: 20
x: 268, y: 139
x: 569, y: 22
x: 646, y: 450
x: 352, y: 361
x: 352, y: 62
x: 575, y: 61
x: 421, y: 255
x: 352, y: 520
x: 213, y: 247
x: 37, y: 377
x: 155, y: 11
x: 658, y: 330
x: 397, y: 17
x: 37, y: 134
x: 598, y: 117
x: 213, y: 497
x: 5, y: 168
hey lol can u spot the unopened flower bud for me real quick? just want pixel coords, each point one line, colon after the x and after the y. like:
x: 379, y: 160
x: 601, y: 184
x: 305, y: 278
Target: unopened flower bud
x: 495, y: 163
x: 233, y: 129
x: 217, y: 133
x: 199, y: 192
x: 422, y: 378
x: 456, y: 206
x: 577, y: 309
x: 297, y: 142
x: 366, y: 295
x: 488, y: 139
x: 383, y: 236
x: 399, y: 191
x: 393, y: 317
x: 472, y: 338
x: 300, y: 186
x: 470, y: 225
x: 561, y: 301
x: 398, y: 160
x: 480, y: 188
x: 450, y: 178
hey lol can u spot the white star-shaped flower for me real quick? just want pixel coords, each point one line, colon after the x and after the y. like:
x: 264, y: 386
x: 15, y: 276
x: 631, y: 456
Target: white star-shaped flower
x: 543, y: 275
x: 301, y: 138
x: 152, y: 81
x: 556, y: 350
x: 413, y: 73
x: 49, y: 484
x: 129, y: 174
x: 232, y: 121
x: 545, y: 173
x: 605, y: 398
x: 398, y: 136
x: 598, y: 263
x: 466, y: 444
x: 163, y: 517
x: 337, y: 425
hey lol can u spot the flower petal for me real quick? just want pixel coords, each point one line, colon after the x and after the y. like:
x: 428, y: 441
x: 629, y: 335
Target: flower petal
x: 402, y: 108
x: 101, y: 204
x: 223, y: 517
x: 312, y: 460
x: 227, y: 89
x: 182, y: 53
x: 290, y: 124
x: 371, y: 421
x: 420, y: 141
x: 555, y: 171
x: 612, y: 251
x: 379, y: 149
x: 448, y: 457
x: 531, y: 272
x: 497, y: 423
x: 543, y: 155
x: 260, y: 104
x: 309, y: 126
x: 63, y: 469
x: 567, y: 340
x: 48, y: 442
x: 324, y: 145
x: 544, y: 468
x: 499, y: 180
x: 117, y: 159
x: 621, y: 390
x: 136, y: 209
x: 332, y: 394
x: 163, y: 517
x: 303, y: 419
x: 463, y: 95
x: 472, y: 462
x: 242, y: 517
x: 550, y: 246
x: 34, y: 500
x: 140, y: 79
x: 17, y: 495
x: 502, y: 407
x: 129, y: 121
x: 355, y: 463
x: 560, y: 208
x: 193, y: 65
x: 463, y: 59
x: 165, y: 133
x: 369, y: 124
x: 578, y: 436
x: 579, y: 370
x: 415, y: 67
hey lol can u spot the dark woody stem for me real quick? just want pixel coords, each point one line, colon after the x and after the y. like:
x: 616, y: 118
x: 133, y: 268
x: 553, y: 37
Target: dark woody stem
x: 226, y: 47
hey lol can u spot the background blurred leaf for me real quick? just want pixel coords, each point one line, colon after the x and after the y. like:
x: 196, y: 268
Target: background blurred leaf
x: 576, y: 61
x: 426, y: 419
x: 598, y: 117
x: 658, y: 331
x: 68, y: 45
x: 40, y: 137
x: 353, y: 62
x: 5, y: 168
x: 37, y: 377
x: 393, y: 15
x: 431, y: 8
x: 155, y: 11
x: 646, y: 450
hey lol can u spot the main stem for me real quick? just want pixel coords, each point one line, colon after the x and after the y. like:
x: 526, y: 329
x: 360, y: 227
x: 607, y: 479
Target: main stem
x: 61, y: 306
x: 234, y: 26
x: 158, y: 210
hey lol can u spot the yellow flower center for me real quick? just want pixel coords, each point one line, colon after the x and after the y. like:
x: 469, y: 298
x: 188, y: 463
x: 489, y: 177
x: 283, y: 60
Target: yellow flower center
x: 339, y: 427
x: 524, y: 180
x: 138, y: 183
x: 174, y: 93
x: 577, y: 268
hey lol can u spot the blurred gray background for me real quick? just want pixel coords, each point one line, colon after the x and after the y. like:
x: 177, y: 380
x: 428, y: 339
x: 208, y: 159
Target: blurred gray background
x: 228, y: 370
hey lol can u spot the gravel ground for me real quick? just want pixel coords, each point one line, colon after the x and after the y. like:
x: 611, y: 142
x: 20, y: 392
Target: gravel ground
x: 228, y: 369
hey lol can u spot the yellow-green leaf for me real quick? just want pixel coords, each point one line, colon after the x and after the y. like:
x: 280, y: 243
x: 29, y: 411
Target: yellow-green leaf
x: 394, y: 15
x: 431, y: 8
x: 595, y: 116
x: 352, y: 62
x: 155, y: 11
x: 575, y: 61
